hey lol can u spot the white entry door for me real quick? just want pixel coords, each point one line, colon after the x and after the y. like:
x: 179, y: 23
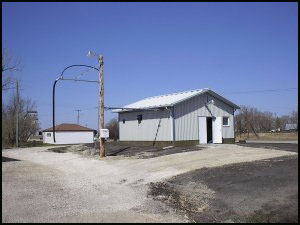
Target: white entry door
x: 202, y: 130
x: 217, y: 130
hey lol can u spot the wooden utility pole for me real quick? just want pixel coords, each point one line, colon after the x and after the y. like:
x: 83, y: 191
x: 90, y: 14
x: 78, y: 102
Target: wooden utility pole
x: 17, y: 114
x: 101, y: 107
x: 78, y: 110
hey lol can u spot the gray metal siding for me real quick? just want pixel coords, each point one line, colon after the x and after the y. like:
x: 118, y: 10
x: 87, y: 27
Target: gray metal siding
x: 186, y: 117
x: 131, y: 130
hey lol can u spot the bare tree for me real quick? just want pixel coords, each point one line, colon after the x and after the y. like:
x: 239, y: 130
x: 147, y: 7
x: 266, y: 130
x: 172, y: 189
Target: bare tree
x: 294, y: 117
x: 27, y: 124
x: 285, y: 119
x: 113, y: 127
x: 251, y: 120
x: 278, y: 123
x: 9, y: 66
x: 245, y: 119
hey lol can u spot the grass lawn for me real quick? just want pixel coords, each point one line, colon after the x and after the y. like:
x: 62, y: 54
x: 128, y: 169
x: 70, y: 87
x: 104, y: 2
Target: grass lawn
x: 29, y: 144
x: 269, y: 136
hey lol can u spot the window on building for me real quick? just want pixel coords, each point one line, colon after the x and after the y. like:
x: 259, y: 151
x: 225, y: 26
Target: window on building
x: 123, y: 121
x: 48, y: 134
x: 225, y: 121
x: 140, y: 118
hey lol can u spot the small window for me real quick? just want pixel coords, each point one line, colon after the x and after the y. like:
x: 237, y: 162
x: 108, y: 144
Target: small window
x: 225, y: 121
x: 48, y: 134
x: 140, y: 118
x: 123, y: 121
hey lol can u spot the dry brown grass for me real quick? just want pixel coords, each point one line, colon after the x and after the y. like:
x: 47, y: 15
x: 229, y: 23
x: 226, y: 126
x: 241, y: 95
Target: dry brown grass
x: 269, y: 136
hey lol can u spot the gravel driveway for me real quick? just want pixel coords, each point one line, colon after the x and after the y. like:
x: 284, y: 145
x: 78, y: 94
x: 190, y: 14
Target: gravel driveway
x: 43, y: 186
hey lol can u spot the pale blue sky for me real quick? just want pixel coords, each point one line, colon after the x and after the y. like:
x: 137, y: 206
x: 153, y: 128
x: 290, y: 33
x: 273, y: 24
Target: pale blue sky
x: 151, y: 49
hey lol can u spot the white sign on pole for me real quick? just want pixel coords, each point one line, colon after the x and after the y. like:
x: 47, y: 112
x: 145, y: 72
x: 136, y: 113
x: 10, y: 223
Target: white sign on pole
x: 104, y: 133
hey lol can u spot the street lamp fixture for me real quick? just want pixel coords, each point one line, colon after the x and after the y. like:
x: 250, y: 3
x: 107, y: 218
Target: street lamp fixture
x: 93, y: 54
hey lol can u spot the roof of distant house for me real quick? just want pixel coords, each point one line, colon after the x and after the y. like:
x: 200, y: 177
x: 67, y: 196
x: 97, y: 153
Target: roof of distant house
x: 172, y: 99
x: 291, y: 126
x: 68, y: 127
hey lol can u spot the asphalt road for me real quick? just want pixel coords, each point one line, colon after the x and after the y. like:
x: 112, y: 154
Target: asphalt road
x: 259, y: 191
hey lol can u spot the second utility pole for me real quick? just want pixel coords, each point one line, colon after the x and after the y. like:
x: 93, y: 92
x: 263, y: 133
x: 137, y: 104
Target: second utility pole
x: 17, y: 114
x: 101, y: 107
x: 78, y: 110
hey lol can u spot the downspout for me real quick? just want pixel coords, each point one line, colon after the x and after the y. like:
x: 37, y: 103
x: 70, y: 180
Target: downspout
x: 233, y: 124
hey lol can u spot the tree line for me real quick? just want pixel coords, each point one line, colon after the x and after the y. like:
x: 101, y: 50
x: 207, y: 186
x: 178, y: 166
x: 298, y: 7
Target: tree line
x: 251, y: 120
x: 27, y: 125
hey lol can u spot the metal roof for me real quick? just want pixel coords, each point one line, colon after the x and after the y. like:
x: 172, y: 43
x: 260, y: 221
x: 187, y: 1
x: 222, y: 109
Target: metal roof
x: 170, y: 100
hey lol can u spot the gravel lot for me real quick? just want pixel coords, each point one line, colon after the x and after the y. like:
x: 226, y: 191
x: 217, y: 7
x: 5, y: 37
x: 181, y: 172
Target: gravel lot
x: 39, y: 185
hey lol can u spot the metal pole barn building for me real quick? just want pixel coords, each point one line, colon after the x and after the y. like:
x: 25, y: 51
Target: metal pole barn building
x: 185, y: 118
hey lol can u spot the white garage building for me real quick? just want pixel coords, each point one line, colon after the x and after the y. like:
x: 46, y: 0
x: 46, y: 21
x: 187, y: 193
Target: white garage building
x: 67, y: 133
x: 185, y: 118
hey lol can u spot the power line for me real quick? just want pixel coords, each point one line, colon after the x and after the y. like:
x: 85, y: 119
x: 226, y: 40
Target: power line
x: 84, y: 72
x: 238, y: 92
x: 261, y: 91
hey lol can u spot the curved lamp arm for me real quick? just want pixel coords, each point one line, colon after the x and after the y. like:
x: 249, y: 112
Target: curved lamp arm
x: 53, y: 92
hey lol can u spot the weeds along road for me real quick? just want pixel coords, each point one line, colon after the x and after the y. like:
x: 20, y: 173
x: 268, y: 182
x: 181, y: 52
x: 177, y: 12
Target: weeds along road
x: 43, y: 186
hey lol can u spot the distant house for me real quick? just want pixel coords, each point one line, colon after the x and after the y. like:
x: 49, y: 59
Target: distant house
x: 67, y: 133
x: 35, y: 138
x: 291, y: 127
x: 185, y: 118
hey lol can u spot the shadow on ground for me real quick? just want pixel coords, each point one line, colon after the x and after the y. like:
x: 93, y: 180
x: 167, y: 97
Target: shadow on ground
x: 6, y: 159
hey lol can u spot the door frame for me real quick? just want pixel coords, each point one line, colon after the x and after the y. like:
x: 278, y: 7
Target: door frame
x: 217, y: 128
x: 200, y: 142
x: 213, y: 119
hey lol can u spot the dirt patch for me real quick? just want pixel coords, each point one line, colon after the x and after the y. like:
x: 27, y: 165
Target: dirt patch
x: 277, y: 146
x: 59, y: 149
x: 142, y: 152
x: 259, y: 191
x: 120, y: 149
x: 81, y: 149
x: 187, y: 202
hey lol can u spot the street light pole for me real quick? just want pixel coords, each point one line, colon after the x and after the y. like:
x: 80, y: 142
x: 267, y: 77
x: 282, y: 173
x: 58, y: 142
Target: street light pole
x: 17, y: 114
x: 101, y: 107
